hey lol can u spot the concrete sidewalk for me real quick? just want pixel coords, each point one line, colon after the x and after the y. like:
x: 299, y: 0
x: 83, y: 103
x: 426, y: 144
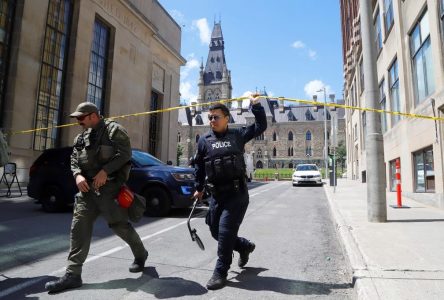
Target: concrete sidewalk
x: 400, y: 259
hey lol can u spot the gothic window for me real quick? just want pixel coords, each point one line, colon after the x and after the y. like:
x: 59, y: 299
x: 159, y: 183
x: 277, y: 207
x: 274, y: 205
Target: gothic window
x: 218, y: 59
x: 274, y: 152
x: 218, y: 75
x: 260, y: 137
x: 274, y: 136
x: 199, y: 120
x: 212, y: 59
x: 290, y: 136
x: 259, y: 153
x: 259, y: 165
x: 308, y: 136
x: 209, y: 95
x: 197, y: 138
x: 289, y: 151
x: 308, y: 116
x: 291, y: 116
x: 290, y: 165
x: 178, y: 137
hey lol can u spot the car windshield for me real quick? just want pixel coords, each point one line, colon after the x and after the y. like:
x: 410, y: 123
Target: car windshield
x: 146, y: 160
x: 306, y: 168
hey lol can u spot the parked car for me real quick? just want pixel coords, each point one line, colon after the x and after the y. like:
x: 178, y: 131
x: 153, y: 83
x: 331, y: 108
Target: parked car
x: 306, y: 174
x: 164, y: 186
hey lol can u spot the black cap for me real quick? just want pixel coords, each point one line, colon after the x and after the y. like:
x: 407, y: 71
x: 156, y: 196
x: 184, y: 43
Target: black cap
x: 85, y: 108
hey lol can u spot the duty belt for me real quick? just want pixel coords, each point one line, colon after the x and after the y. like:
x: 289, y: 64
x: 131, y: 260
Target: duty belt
x: 235, y: 186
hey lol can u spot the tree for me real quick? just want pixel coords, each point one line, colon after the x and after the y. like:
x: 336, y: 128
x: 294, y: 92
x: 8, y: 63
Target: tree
x: 341, y: 154
x: 179, y: 153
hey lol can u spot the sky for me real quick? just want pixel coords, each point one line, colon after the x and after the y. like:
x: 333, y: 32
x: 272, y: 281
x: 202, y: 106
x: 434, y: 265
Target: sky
x: 292, y: 48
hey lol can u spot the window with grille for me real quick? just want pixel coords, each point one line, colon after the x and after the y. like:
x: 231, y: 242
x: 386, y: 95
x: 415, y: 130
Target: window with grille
x: 98, y: 66
x: 53, y: 72
x: 7, y: 9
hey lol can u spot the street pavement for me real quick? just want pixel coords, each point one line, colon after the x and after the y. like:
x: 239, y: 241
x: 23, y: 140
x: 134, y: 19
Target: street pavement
x: 298, y: 253
x: 400, y: 259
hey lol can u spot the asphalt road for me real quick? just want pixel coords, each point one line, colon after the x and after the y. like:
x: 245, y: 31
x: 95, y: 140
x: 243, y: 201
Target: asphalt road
x: 297, y: 254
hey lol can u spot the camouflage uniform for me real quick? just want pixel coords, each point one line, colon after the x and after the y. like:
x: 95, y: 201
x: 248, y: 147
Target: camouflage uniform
x: 105, y: 147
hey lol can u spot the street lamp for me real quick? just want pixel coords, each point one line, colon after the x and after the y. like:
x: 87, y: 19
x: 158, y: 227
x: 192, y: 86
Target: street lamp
x: 325, y: 131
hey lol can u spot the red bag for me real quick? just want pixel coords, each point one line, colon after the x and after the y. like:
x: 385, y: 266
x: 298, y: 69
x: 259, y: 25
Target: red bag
x: 125, y: 197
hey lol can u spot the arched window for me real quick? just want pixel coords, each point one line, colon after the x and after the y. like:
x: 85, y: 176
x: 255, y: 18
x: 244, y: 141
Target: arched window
x: 308, y: 116
x: 178, y: 137
x: 290, y: 165
x: 274, y: 136
x: 289, y: 151
x: 199, y: 120
x: 290, y: 136
x: 308, y: 136
x: 259, y: 165
x: 260, y: 137
x: 259, y: 153
x: 274, y: 152
x: 197, y: 138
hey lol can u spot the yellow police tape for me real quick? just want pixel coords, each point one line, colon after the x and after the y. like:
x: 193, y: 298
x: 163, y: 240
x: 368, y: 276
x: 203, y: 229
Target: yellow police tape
x: 309, y: 102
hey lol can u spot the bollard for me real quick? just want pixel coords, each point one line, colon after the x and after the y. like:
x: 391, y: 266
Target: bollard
x: 398, y: 183
x: 276, y: 176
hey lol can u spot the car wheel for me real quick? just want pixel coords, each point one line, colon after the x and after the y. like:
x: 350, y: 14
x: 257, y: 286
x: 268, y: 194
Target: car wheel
x: 52, y: 199
x: 158, y: 202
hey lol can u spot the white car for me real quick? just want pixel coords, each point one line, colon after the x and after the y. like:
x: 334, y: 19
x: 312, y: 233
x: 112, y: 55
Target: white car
x: 306, y: 174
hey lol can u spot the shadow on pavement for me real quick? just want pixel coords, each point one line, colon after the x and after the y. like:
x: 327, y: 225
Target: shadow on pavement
x: 249, y: 280
x: 150, y: 283
x: 8, y: 286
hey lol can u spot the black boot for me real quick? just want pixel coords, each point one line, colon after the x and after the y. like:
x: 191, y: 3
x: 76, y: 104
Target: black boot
x: 138, y: 264
x: 68, y: 281
x: 216, y: 282
x: 244, y: 255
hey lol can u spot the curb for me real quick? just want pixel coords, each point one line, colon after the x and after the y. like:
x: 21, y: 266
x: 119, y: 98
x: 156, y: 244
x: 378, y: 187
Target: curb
x: 362, y: 283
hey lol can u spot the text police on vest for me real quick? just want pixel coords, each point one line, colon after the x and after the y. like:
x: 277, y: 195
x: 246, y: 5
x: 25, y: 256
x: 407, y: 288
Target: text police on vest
x: 218, y: 145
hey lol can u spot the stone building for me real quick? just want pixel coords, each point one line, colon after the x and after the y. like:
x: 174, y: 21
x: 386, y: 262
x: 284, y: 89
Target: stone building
x: 294, y: 135
x: 123, y: 55
x: 409, y: 40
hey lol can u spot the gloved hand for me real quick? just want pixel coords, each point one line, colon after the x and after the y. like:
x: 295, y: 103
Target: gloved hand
x: 254, y: 98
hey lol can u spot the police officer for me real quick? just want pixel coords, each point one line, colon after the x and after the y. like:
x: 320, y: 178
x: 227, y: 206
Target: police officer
x: 220, y: 159
x: 100, y: 163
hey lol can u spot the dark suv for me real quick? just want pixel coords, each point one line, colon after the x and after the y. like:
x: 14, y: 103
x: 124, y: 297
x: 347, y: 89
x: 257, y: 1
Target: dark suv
x: 164, y: 186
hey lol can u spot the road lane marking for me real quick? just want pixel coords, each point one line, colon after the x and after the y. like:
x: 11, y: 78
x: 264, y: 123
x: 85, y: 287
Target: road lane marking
x: 26, y: 284
x: 31, y: 282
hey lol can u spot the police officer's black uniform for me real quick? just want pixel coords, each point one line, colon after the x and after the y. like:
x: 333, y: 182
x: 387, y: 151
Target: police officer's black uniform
x: 220, y: 158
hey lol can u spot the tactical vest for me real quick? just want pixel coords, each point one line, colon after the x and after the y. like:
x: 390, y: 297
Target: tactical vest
x: 95, y: 149
x: 224, y: 160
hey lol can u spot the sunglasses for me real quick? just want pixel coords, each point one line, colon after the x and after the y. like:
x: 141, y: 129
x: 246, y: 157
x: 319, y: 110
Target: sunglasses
x: 214, y: 117
x: 81, y: 118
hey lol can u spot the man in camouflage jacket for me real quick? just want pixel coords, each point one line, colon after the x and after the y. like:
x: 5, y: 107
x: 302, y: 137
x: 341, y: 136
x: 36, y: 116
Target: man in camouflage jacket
x: 100, y: 163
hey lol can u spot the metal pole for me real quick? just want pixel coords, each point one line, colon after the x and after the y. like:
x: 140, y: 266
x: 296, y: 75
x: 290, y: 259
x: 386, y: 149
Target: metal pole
x: 376, y: 196
x: 325, y: 134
